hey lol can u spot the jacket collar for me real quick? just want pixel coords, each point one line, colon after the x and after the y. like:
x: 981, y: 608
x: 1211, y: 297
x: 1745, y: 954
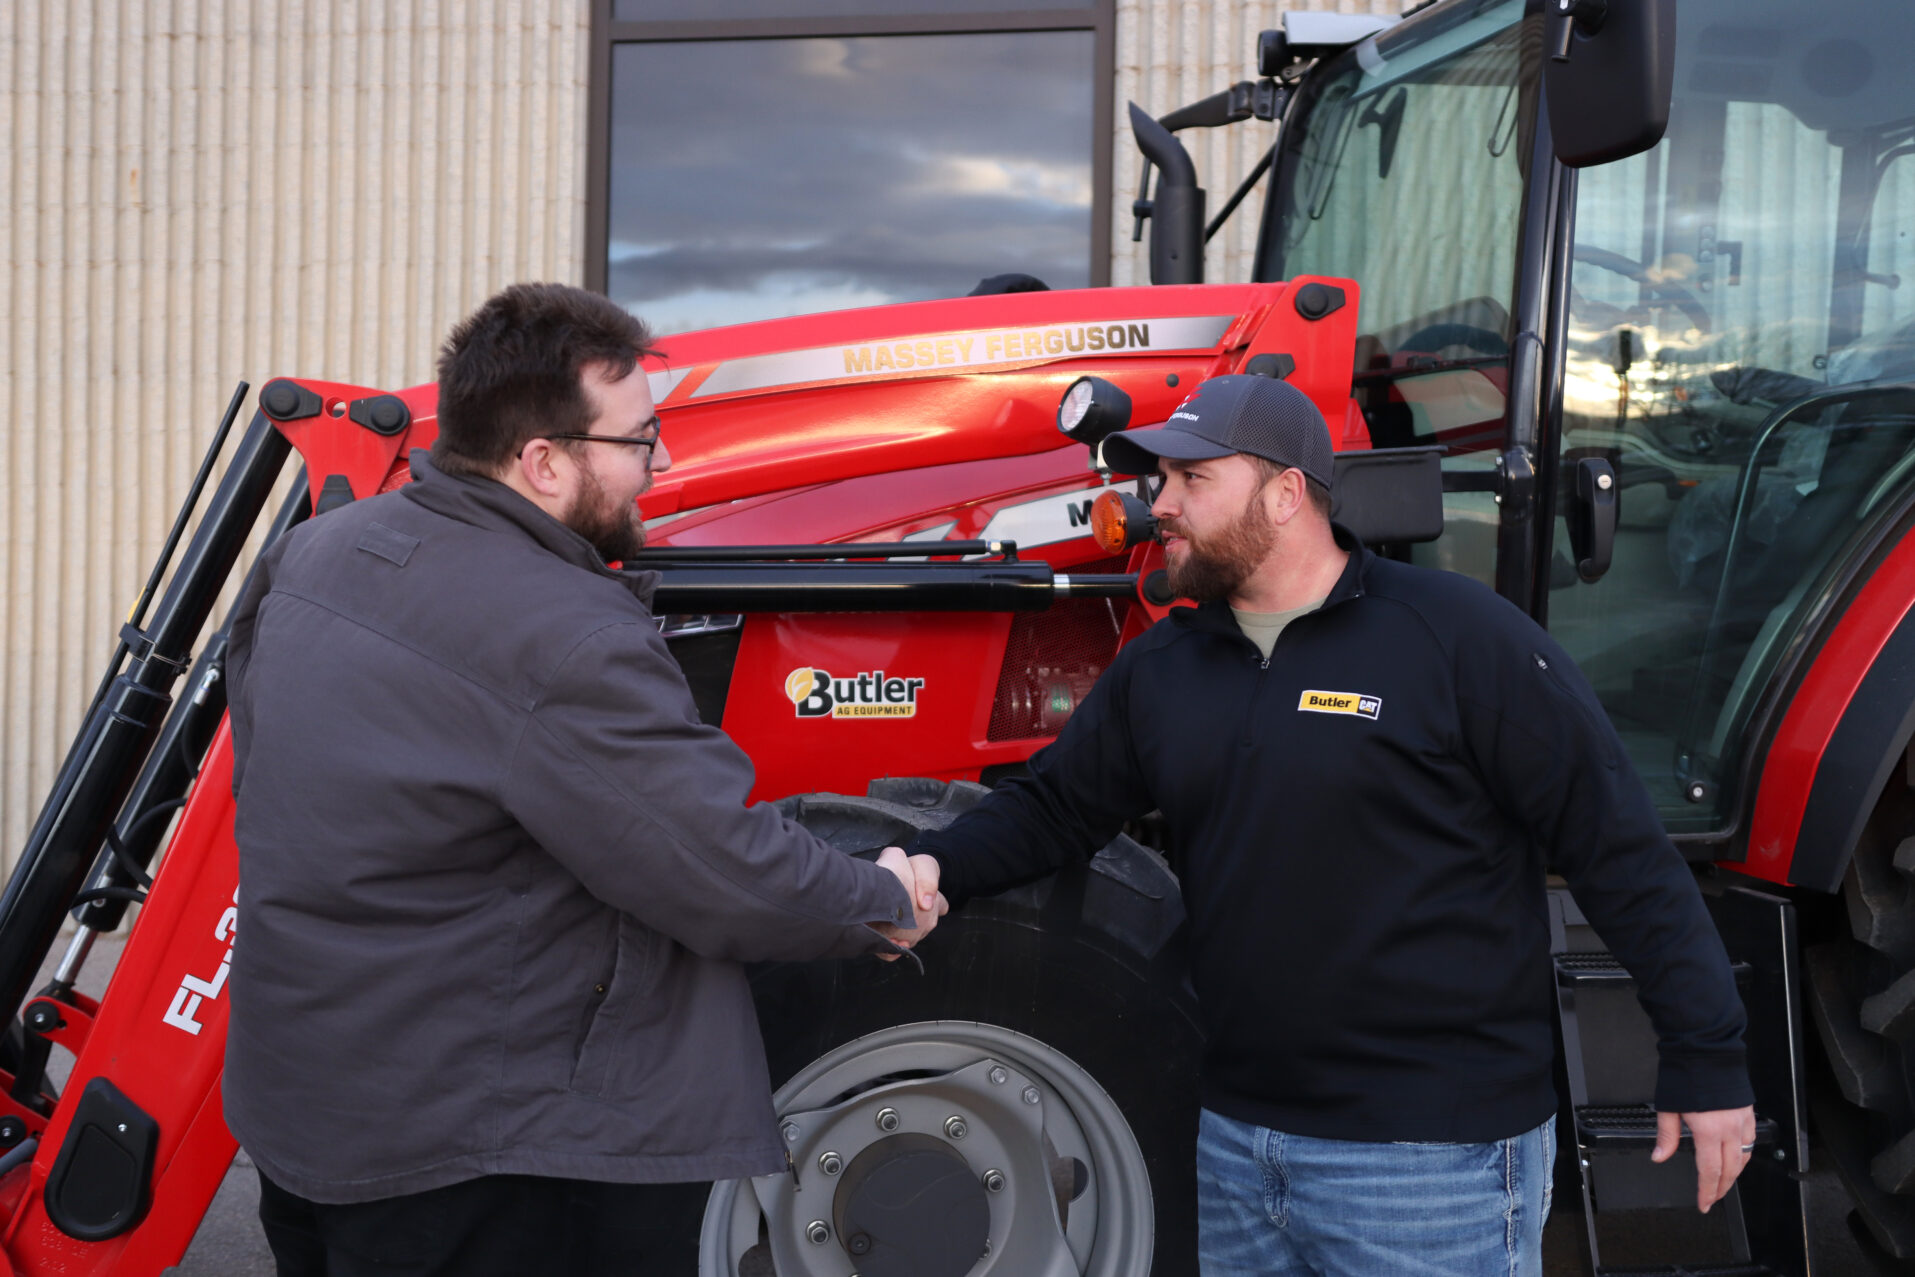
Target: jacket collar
x: 489, y: 504
x: 1216, y: 616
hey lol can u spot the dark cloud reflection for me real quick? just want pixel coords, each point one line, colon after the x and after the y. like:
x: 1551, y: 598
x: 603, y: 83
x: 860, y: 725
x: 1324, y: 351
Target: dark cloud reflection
x: 774, y: 177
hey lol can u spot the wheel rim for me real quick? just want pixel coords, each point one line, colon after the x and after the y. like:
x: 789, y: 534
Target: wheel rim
x: 1025, y: 1153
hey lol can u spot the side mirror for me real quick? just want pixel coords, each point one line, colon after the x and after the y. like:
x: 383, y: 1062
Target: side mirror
x: 1389, y: 495
x: 1609, y: 67
x: 1177, y: 212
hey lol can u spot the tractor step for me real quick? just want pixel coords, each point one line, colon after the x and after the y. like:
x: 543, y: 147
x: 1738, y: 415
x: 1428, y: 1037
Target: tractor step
x: 1697, y: 1270
x: 1640, y: 1215
x: 1634, y: 1126
x: 1602, y: 971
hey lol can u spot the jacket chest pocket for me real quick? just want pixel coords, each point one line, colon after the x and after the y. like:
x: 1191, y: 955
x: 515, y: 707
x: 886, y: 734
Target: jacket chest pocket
x: 609, y: 997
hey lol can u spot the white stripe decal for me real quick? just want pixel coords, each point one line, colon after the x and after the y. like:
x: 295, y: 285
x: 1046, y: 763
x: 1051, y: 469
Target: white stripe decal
x: 955, y: 352
x: 663, y: 383
x: 1045, y: 521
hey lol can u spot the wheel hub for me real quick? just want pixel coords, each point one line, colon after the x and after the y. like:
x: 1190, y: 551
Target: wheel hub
x: 909, y: 1206
x: 915, y: 1199
x: 899, y: 1140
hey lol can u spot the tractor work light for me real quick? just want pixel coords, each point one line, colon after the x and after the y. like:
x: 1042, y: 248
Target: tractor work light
x: 1119, y: 520
x: 1091, y: 409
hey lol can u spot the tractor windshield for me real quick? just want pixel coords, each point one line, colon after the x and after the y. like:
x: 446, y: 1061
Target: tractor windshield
x: 1742, y: 351
x: 1402, y: 166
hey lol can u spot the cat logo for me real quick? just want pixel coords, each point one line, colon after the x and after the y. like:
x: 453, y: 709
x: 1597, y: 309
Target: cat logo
x: 1340, y: 703
x: 815, y: 694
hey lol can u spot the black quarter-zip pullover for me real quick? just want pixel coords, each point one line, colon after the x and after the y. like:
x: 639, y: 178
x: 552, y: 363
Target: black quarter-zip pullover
x: 1367, y: 818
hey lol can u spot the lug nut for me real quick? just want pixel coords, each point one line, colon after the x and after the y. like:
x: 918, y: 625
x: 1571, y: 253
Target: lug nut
x: 791, y: 1132
x: 818, y: 1232
x: 887, y: 1120
x: 1030, y: 1095
x: 993, y: 1181
x: 1000, y: 1075
x: 956, y: 1128
x: 830, y: 1163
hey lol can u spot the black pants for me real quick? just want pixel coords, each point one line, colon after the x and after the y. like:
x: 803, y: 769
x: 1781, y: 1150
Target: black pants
x: 495, y: 1226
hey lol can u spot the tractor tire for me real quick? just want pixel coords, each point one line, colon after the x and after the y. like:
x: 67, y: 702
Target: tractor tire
x: 1861, y: 996
x: 1070, y: 992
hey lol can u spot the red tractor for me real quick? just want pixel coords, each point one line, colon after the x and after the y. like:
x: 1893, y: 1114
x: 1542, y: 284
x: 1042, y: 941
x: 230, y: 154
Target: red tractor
x: 1641, y: 364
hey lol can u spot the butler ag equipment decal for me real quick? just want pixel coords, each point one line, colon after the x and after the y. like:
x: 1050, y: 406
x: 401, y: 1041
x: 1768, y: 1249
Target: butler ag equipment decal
x: 872, y: 694
x: 1340, y: 703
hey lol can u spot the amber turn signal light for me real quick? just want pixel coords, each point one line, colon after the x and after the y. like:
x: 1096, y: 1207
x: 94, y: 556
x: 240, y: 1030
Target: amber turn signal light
x: 1119, y: 520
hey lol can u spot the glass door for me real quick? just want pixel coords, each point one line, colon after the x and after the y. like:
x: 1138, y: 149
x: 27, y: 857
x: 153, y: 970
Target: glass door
x: 1741, y: 349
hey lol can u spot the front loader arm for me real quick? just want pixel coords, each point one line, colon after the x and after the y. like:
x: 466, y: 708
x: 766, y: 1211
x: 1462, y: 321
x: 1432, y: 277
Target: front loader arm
x: 159, y: 1041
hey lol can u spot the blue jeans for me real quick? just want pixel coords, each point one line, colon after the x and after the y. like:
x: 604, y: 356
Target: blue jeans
x: 1270, y: 1203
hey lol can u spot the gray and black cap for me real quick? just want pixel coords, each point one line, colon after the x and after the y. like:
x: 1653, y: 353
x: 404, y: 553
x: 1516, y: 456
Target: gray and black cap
x: 1239, y: 413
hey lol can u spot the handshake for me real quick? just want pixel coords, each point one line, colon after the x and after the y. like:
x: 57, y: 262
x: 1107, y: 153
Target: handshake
x: 919, y: 874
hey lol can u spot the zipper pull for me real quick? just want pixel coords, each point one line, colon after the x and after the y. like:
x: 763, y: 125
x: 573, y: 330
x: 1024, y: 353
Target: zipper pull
x: 1263, y: 663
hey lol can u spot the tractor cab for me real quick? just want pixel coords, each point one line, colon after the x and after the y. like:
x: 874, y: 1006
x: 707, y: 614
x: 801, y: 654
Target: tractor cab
x: 1672, y: 390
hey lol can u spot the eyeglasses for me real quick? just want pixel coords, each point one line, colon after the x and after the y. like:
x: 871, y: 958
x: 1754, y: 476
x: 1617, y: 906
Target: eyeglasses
x: 634, y: 441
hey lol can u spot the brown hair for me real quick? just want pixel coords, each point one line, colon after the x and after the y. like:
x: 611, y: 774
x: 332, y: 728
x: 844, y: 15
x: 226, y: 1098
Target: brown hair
x: 510, y: 372
x: 1268, y: 470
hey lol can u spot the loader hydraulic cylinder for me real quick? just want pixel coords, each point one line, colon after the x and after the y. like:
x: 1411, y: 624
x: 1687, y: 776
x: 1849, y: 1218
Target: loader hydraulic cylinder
x: 120, y: 731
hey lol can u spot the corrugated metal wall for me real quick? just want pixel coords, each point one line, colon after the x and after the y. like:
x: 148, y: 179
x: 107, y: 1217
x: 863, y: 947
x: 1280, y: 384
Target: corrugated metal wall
x: 203, y: 190
x: 1171, y: 53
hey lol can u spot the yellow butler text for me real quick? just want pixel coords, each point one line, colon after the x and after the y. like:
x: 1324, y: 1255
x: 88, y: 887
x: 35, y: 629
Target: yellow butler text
x: 1315, y: 702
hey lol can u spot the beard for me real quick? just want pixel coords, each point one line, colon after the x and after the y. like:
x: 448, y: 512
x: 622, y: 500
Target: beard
x: 1214, y: 567
x: 615, y: 529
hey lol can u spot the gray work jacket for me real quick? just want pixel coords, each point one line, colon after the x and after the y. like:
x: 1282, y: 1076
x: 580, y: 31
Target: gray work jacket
x: 497, y: 880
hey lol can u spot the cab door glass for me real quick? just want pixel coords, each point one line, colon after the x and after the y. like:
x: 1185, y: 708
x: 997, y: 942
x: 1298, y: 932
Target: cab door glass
x: 1405, y: 171
x: 1741, y: 351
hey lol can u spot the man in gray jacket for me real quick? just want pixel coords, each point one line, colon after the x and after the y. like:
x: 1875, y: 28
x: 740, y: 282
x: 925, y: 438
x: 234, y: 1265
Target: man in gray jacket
x: 497, y: 880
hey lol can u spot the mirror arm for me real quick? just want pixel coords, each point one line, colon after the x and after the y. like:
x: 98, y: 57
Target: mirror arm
x: 1237, y: 196
x: 1576, y: 17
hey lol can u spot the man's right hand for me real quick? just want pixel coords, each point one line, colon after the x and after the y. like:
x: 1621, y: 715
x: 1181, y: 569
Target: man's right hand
x: 919, y: 874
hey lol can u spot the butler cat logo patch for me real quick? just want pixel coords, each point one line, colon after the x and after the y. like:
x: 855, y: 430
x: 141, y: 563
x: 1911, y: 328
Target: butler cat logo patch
x: 1341, y: 703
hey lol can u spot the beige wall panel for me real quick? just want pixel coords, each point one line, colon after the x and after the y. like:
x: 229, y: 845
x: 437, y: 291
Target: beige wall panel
x: 1171, y: 53
x: 200, y: 191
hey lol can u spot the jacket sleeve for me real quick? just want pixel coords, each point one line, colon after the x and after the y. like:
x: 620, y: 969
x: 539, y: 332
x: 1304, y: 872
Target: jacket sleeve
x: 239, y: 651
x: 616, y: 777
x: 1080, y: 790
x: 1553, y: 762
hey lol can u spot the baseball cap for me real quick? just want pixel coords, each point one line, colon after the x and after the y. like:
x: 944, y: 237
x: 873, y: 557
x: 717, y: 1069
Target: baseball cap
x: 1238, y: 413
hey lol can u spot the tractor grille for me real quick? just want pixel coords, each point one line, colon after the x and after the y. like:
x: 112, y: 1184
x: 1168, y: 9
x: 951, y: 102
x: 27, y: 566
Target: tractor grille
x: 1053, y: 657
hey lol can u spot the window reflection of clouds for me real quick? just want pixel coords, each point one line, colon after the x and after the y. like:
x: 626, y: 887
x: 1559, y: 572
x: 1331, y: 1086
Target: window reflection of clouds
x: 719, y: 10
x: 773, y: 177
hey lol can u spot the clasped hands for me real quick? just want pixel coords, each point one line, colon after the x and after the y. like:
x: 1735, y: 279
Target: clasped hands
x: 919, y: 874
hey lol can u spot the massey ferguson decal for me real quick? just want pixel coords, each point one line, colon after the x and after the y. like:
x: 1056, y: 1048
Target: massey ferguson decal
x: 983, y: 348
x: 193, y: 990
x: 872, y: 694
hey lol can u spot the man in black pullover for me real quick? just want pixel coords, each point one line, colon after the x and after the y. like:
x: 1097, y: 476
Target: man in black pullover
x: 1368, y: 765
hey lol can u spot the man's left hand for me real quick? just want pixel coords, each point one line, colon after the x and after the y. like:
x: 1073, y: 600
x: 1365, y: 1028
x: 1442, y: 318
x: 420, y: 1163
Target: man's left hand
x: 1723, y: 1141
